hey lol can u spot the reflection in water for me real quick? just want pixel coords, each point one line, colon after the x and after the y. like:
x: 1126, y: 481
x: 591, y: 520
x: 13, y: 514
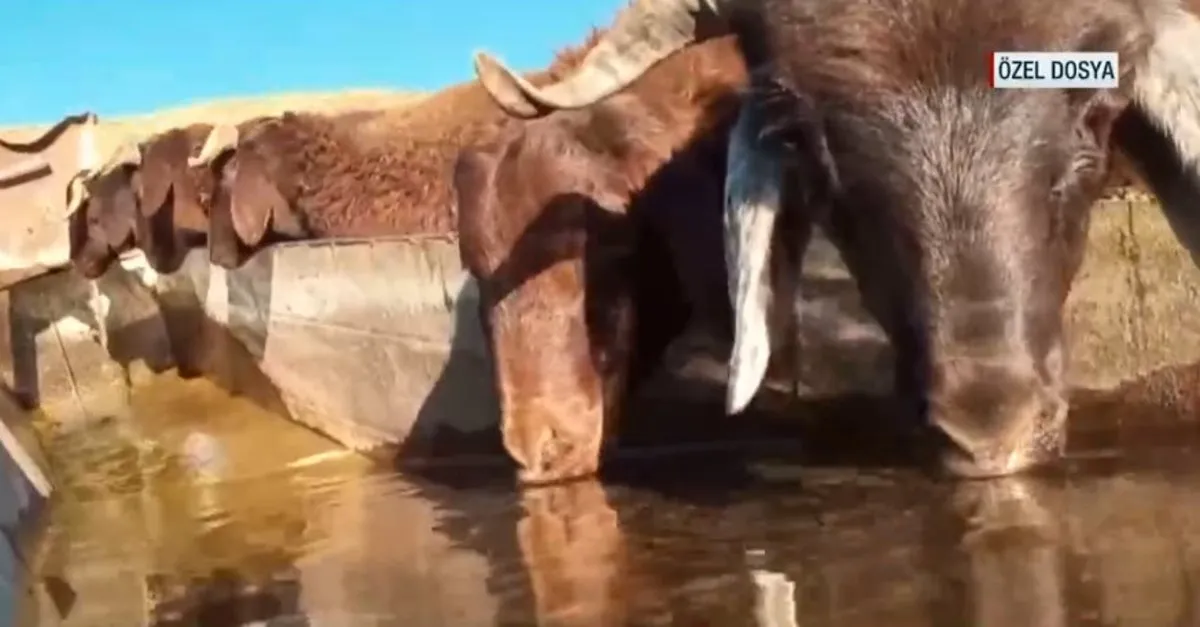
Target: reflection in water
x: 185, y: 514
x: 208, y: 512
x: 572, y: 547
x: 775, y: 603
x: 1008, y: 557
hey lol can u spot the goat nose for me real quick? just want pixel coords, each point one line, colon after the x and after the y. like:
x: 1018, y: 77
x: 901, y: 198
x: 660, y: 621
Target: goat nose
x: 992, y: 412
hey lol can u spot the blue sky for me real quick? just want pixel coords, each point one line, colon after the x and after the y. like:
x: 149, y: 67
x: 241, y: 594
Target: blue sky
x: 118, y: 57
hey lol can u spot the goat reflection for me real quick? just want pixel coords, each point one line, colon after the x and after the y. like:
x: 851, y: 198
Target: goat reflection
x: 1029, y: 551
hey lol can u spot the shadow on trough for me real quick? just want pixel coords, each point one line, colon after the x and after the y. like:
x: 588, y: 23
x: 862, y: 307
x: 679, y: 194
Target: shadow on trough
x: 53, y: 344
x: 374, y: 343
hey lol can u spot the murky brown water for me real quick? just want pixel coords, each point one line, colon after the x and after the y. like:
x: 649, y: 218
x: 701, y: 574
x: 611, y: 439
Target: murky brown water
x: 210, y: 512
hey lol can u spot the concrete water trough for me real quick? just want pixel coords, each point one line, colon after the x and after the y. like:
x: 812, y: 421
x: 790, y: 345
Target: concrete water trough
x: 376, y: 343
x: 373, y: 343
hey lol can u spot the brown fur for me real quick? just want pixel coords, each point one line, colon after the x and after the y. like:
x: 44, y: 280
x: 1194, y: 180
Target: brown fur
x: 158, y: 207
x: 173, y: 198
x: 579, y: 227
x: 962, y: 210
x: 102, y: 228
x: 165, y: 172
x: 355, y: 175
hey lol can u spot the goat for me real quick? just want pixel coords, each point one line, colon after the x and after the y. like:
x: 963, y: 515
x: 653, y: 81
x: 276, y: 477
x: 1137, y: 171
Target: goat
x: 962, y: 210
x: 308, y: 176
x: 144, y: 196
x: 594, y: 236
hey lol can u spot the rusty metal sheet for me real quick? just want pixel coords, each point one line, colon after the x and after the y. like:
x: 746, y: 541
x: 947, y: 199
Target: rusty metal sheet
x: 34, y: 171
x: 373, y: 342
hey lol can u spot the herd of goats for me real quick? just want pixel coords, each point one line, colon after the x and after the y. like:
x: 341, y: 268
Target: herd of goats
x: 670, y: 170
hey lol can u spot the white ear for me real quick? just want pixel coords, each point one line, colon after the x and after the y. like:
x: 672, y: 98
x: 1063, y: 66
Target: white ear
x: 1166, y: 82
x: 753, y: 183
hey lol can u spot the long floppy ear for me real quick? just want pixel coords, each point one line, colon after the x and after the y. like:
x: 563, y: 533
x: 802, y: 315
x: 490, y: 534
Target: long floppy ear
x: 254, y: 200
x: 471, y: 179
x: 77, y: 230
x: 1160, y: 132
x: 113, y: 206
x: 163, y: 159
x: 224, y: 246
x: 763, y: 276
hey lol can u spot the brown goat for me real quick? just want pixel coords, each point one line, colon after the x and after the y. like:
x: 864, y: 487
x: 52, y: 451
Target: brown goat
x: 961, y: 209
x: 144, y: 197
x: 310, y: 176
x: 594, y: 234
x: 302, y: 175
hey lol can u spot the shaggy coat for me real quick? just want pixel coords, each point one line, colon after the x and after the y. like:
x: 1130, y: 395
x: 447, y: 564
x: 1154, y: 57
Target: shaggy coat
x: 593, y: 235
x: 362, y: 174
x: 962, y: 210
x: 301, y: 176
x: 153, y: 202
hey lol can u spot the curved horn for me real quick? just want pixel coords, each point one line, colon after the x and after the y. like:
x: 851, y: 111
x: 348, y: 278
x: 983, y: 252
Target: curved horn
x: 222, y: 138
x: 1166, y: 80
x: 1162, y: 137
x: 753, y: 199
x: 644, y: 33
x: 76, y: 193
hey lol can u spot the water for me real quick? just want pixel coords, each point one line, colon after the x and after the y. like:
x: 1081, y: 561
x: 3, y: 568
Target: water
x: 207, y: 511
